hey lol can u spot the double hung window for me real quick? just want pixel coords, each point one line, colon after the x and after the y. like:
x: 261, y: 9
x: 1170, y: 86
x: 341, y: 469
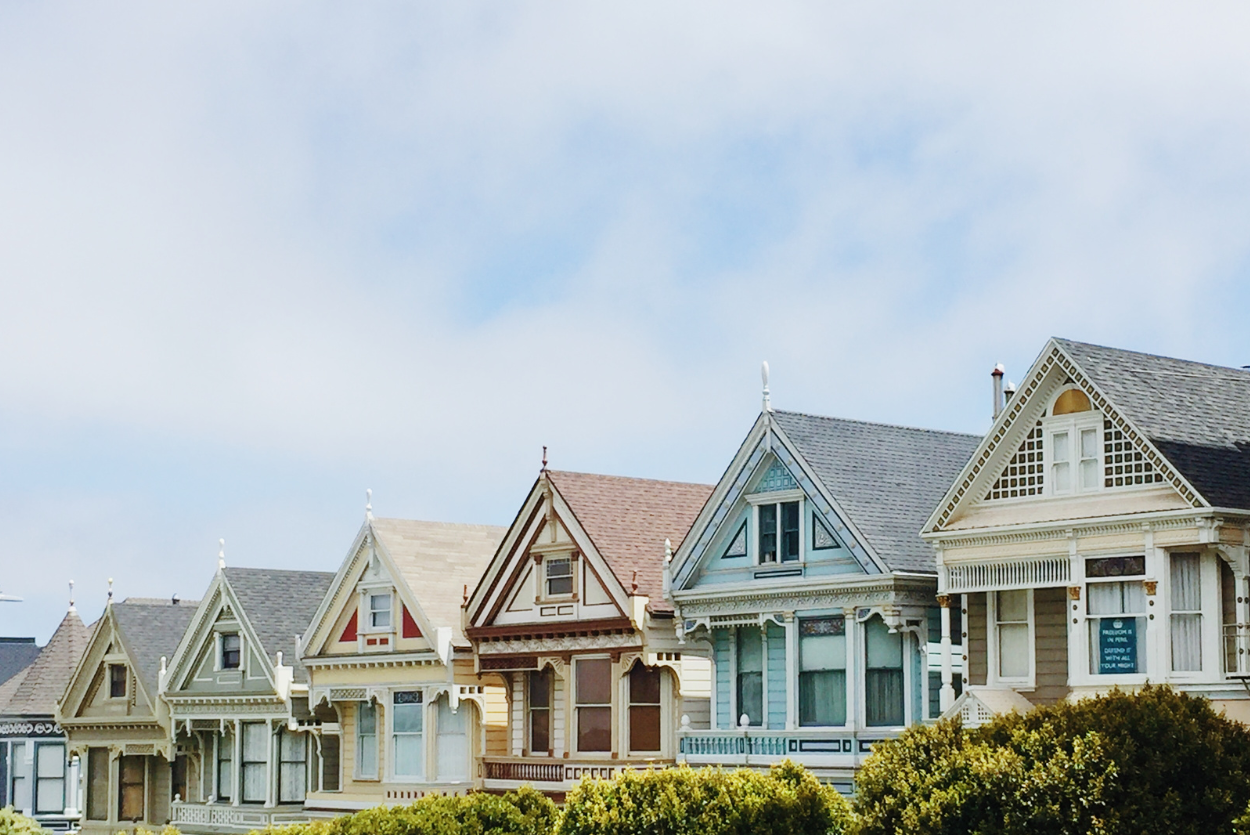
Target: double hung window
x: 1011, y: 627
x: 1116, y: 611
x: 255, y: 758
x: 1186, y: 597
x: 225, y: 766
x: 540, y: 711
x: 292, y: 767
x: 231, y: 652
x: 49, y: 777
x: 644, y: 708
x: 779, y: 537
x: 559, y: 576
x: 21, y: 796
x: 117, y: 681
x: 593, y: 700
x: 407, y: 734
x: 750, y: 675
x: 451, y: 746
x: 367, y: 740
x: 380, y: 611
x: 883, y: 676
x: 822, y: 672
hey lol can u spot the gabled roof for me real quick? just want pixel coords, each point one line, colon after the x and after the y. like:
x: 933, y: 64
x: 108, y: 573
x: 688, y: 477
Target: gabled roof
x: 44, y: 680
x: 886, y: 478
x: 278, y: 605
x: 1196, y: 415
x: 15, y: 656
x: 151, y: 628
x: 437, y: 560
x: 628, y: 520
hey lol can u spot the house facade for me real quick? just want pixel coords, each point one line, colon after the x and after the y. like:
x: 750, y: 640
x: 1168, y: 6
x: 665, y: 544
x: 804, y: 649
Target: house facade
x: 805, y: 582
x: 237, y: 697
x: 38, y: 775
x: 402, y: 712
x: 115, y: 721
x: 571, y: 621
x: 1098, y: 537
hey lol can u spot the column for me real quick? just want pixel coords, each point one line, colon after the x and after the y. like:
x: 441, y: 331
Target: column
x: 947, y: 696
x: 270, y: 772
x: 236, y: 768
x: 764, y: 676
x: 854, y: 666
x: 792, y: 671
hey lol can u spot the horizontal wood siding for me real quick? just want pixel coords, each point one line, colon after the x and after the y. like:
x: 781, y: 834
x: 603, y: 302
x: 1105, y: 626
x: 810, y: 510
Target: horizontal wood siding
x: 977, y: 648
x: 720, y: 644
x: 1050, y: 649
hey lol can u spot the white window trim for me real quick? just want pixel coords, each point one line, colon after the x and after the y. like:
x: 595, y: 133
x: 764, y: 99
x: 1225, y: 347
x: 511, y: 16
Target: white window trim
x: 666, y: 699
x: 364, y: 619
x: 992, y: 678
x: 426, y: 703
x: 357, y: 774
x: 753, y: 528
x: 574, y: 575
x: 1072, y: 424
x: 1212, y: 617
x: 1082, y: 675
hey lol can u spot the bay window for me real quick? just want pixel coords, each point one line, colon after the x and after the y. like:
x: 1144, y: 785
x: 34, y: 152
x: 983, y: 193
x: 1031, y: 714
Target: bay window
x: 1116, y: 610
x: 750, y: 675
x: 407, y: 734
x: 540, y: 711
x: 1186, y: 617
x: 644, y: 708
x: 822, y: 672
x: 883, y: 675
x: 593, y: 704
x: 367, y: 740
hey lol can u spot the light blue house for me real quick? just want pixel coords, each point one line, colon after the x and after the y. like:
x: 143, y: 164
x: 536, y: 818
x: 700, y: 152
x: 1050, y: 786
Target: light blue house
x: 806, y: 582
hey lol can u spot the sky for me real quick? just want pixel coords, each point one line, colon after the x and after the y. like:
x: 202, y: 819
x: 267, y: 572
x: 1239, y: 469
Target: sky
x: 258, y: 257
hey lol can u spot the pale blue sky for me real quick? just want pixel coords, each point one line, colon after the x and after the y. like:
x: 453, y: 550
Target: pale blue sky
x: 255, y: 258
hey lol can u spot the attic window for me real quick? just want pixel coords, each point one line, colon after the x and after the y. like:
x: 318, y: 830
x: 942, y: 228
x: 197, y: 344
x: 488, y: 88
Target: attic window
x: 1024, y: 473
x: 380, y: 611
x: 1071, y: 402
x: 231, y: 652
x: 1123, y: 463
x: 779, y: 532
x: 117, y: 681
x: 559, y: 577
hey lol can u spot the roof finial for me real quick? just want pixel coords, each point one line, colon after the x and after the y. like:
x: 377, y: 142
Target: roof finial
x: 544, y: 469
x: 633, y: 583
x: 71, y: 596
x: 768, y: 406
x: 369, y: 503
x: 668, y: 550
x: 110, y: 590
x: 465, y: 602
x: 221, y: 554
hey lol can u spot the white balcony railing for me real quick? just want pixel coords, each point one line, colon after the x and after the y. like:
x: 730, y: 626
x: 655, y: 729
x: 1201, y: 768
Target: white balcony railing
x: 194, y: 817
x: 815, y: 748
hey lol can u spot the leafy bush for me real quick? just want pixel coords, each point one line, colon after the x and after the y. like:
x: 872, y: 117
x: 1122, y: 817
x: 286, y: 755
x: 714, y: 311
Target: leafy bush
x: 13, y: 822
x: 523, y: 812
x: 1155, y: 762
x: 708, y: 801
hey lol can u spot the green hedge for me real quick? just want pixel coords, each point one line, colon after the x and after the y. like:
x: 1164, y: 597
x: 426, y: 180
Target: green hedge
x: 523, y: 812
x: 15, y: 823
x: 1156, y: 762
x: 707, y: 801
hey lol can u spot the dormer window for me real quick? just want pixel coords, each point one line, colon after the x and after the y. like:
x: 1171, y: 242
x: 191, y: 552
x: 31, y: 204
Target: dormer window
x: 117, y: 681
x: 559, y: 577
x: 779, y: 536
x: 231, y: 652
x: 380, y: 611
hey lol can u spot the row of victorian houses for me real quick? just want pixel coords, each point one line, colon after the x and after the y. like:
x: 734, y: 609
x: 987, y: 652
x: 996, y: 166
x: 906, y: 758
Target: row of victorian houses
x: 842, y: 581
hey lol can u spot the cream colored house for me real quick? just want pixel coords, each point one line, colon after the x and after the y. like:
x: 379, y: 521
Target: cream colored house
x: 1098, y: 536
x: 390, y: 667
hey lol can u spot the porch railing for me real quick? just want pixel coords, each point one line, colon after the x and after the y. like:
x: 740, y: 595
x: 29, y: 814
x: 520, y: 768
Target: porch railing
x: 555, y: 775
x: 218, y: 816
x: 756, y: 746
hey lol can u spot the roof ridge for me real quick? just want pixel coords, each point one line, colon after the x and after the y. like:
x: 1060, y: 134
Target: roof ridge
x: 881, y: 425
x: 1066, y: 341
x: 630, y: 478
x: 437, y: 522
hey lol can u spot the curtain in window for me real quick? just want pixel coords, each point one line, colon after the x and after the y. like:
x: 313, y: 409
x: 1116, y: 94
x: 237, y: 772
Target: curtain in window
x: 1012, y: 621
x: 255, y: 759
x: 97, y: 784
x: 540, y: 711
x: 822, y: 672
x: 408, y: 741
x: 452, y: 743
x: 1116, y: 632
x: 883, y: 678
x: 750, y: 675
x: 50, y: 777
x: 293, y: 770
x: 367, y: 739
x: 1186, y: 613
x: 130, y: 789
x: 225, y: 767
x: 644, y: 708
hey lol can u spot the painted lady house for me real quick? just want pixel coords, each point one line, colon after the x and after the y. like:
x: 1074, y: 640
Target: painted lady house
x: 391, y: 671
x: 38, y: 777
x: 1098, y: 537
x: 115, y: 721
x: 571, y: 619
x: 806, y: 582
x: 237, y: 696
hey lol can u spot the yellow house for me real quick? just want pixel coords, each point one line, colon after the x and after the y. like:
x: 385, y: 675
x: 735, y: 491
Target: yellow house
x: 390, y: 669
x: 116, y: 722
x: 1098, y: 537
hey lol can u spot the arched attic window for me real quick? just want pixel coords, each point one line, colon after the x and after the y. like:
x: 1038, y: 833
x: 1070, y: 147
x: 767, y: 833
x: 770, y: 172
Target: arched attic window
x: 1071, y: 402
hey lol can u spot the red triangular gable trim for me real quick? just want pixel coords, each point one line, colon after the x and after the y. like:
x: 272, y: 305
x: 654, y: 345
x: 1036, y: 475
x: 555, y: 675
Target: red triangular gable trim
x: 410, y: 626
x: 349, y: 633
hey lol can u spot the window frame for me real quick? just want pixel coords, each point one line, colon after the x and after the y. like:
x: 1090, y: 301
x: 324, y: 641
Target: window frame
x: 224, y: 753
x: 284, y: 735
x: 122, y: 785
x: 547, y: 594
x: 777, y: 498
x: 1085, y: 638
x: 358, y: 772
x: 245, y: 764
x: 547, y: 710
x: 845, y: 670
x: 388, y: 595
x: 113, y: 667
x: 579, y: 706
x: 222, y: 660
x: 657, y: 706
x: 37, y: 779
x: 1028, y: 682
x: 421, y: 736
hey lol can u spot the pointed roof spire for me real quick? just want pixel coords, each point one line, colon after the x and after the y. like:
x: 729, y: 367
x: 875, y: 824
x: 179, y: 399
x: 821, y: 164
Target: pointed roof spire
x: 544, y: 468
x: 369, y: 504
x: 768, y: 405
x: 221, y: 554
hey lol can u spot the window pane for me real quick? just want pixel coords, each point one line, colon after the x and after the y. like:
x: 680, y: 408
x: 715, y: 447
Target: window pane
x: 380, y: 610
x: 293, y: 746
x: 330, y: 746
x: 594, y: 729
x: 1187, y: 643
x: 768, y: 533
x: 407, y: 718
x: 644, y: 685
x: 644, y: 728
x: 452, y: 743
x: 408, y: 755
x: 97, y: 784
x: 594, y: 682
x: 750, y: 649
x: 253, y: 782
x: 1186, y: 586
x: 291, y: 783
x: 1013, y: 606
x: 1089, y: 474
x: 1013, y: 650
x: 130, y: 772
x: 559, y: 577
x: 822, y: 698
x: 1060, y: 447
x: 1063, y: 478
x: 789, y: 531
x: 1117, y: 598
x: 117, y: 681
x: 883, y: 692
x: 50, y: 760
x: 255, y: 742
x: 885, y: 650
x: 822, y: 644
x: 1089, y: 443
x: 751, y: 697
x: 366, y: 718
x: 367, y: 756
x: 540, y: 688
x: 540, y: 730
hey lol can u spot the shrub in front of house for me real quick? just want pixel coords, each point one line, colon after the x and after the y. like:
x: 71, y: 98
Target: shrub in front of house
x: 522, y: 812
x: 708, y: 801
x: 15, y: 823
x: 1154, y: 762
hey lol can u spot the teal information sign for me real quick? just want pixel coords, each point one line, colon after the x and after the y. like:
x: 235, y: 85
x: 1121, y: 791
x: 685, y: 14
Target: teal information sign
x: 1117, y: 645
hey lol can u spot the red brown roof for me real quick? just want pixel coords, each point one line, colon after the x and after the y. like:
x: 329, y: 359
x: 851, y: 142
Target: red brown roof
x: 628, y: 520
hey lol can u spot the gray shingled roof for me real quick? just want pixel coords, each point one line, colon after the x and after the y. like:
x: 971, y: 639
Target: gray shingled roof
x: 279, y: 605
x: 1197, y: 415
x: 151, y: 628
x: 888, y: 479
x: 44, y: 680
x: 15, y: 655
